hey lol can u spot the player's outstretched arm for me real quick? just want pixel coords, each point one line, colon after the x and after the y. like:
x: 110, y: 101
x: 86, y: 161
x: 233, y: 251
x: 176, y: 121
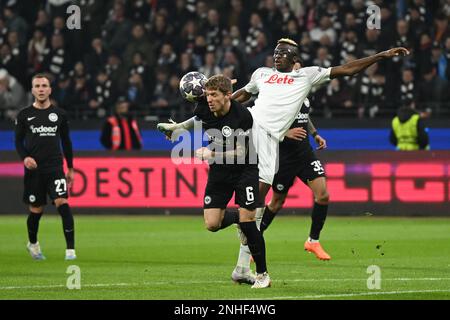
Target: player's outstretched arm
x: 241, y: 95
x: 357, y: 66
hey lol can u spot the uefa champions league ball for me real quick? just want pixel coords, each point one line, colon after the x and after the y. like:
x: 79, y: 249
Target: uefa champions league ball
x: 192, y: 86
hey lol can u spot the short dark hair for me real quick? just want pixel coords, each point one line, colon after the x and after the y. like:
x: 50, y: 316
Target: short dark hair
x: 219, y: 82
x: 42, y: 75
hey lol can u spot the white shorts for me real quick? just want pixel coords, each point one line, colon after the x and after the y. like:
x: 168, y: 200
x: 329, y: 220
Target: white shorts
x: 267, y: 148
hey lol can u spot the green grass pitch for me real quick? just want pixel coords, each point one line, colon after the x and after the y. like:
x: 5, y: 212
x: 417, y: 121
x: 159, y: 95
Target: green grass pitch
x: 174, y: 257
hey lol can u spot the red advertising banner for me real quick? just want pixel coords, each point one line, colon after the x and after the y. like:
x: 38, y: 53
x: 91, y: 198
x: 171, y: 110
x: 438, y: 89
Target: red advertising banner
x: 376, y: 182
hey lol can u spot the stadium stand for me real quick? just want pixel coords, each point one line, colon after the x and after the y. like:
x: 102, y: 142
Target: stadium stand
x: 140, y: 49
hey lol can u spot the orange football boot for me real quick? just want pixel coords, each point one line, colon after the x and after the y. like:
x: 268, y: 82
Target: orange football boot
x: 316, y: 248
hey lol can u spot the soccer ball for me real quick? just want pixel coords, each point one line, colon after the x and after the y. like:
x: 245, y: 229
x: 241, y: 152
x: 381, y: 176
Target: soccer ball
x: 192, y: 86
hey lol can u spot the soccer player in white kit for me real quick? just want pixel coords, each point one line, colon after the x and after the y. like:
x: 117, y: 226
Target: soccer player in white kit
x: 281, y: 92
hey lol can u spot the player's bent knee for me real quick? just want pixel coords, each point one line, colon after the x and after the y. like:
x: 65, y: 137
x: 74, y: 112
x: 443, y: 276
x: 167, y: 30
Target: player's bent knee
x: 323, y: 197
x: 212, y: 227
x: 36, y: 210
x: 276, y: 205
x: 60, y: 202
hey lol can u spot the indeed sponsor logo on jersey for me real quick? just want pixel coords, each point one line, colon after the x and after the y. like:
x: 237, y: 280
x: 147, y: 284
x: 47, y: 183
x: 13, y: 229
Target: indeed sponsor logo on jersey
x: 276, y: 79
x: 302, y: 117
x: 44, y: 131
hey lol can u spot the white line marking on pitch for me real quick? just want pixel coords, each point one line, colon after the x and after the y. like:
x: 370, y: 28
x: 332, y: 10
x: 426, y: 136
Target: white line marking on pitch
x: 175, y: 282
x: 343, y: 295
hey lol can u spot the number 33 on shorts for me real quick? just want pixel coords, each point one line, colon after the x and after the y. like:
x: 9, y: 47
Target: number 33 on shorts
x: 317, y: 166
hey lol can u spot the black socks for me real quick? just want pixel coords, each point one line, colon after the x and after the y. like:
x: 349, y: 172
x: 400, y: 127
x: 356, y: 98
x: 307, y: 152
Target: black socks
x: 33, y: 226
x: 266, y: 219
x: 318, y: 216
x: 68, y: 225
x: 256, y: 244
x: 229, y: 218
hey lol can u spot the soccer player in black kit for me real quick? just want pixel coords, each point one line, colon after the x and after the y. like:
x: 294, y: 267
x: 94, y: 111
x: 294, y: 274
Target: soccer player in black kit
x: 40, y: 131
x: 233, y: 168
x: 298, y: 160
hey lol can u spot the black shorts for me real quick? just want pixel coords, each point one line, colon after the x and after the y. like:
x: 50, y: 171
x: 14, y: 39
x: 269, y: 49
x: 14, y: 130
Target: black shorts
x: 223, y: 183
x: 305, y: 166
x: 37, y: 185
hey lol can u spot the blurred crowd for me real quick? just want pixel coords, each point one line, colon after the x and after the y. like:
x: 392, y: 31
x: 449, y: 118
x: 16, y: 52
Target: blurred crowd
x: 140, y: 49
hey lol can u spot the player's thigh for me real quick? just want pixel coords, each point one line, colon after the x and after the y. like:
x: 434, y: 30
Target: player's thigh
x: 319, y: 188
x: 285, y: 177
x: 217, y: 194
x: 277, y: 201
x: 57, y: 186
x: 247, y: 189
x: 311, y: 168
x: 246, y: 215
x: 34, y: 191
x: 267, y: 149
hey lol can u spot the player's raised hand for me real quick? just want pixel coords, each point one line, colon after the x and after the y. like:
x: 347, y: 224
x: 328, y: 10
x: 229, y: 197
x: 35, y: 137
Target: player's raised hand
x: 297, y: 134
x: 321, y: 142
x: 30, y: 163
x: 400, y: 51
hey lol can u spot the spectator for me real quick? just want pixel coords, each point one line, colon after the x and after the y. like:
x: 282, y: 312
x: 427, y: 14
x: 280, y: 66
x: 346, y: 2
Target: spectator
x: 161, y: 32
x: 160, y: 92
x: 78, y: 99
x: 43, y: 22
x: 259, y: 53
x: 3, y: 31
x: 339, y: 100
x: 256, y: 27
x: 96, y: 59
x: 407, y: 87
x: 210, y: 67
x: 16, y: 23
x: 137, y: 93
x: 61, y: 92
x: 408, y: 131
x: 186, y: 42
x: 324, y: 29
x: 238, y: 16
x: 56, y: 58
x: 36, y: 51
x: 116, y: 31
x: 116, y: 72
x: 213, y: 30
x: 348, y: 46
x: 12, y: 95
x: 140, y: 67
x: 433, y: 93
x: 271, y: 16
x: 121, y: 131
x: 18, y: 53
x: 167, y: 57
x: 139, y: 42
x: 370, y: 97
x: 103, y: 93
x: 185, y: 65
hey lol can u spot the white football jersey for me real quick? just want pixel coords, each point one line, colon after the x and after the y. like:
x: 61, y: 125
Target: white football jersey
x: 281, y: 95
